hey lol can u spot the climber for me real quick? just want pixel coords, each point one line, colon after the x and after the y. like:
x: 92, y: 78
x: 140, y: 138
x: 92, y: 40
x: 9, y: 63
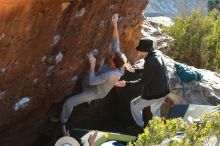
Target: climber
x: 154, y: 81
x: 103, y: 81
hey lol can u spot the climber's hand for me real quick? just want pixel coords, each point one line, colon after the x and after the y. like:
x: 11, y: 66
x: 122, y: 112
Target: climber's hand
x: 65, y: 131
x: 92, y: 60
x: 120, y: 84
x: 129, y: 67
x: 92, y: 138
x: 115, y: 18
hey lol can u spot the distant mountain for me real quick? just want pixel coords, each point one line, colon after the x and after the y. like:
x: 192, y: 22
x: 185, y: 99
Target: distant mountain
x: 172, y: 8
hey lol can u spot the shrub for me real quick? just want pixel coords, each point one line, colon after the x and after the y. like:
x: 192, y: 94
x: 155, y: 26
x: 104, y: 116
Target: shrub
x: 194, y: 134
x: 196, y: 40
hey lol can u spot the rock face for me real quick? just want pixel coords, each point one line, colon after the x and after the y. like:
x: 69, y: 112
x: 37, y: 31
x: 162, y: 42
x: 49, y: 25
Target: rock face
x: 152, y: 29
x: 204, y: 91
x: 43, y: 46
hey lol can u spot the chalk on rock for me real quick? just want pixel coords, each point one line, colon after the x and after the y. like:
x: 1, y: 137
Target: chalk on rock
x: 2, y: 93
x: 80, y: 12
x: 3, y: 70
x: 102, y: 23
x: 59, y: 57
x: 2, y: 36
x: 43, y: 59
x: 51, y: 59
x: 49, y: 70
x: 120, y: 17
x: 35, y: 80
x: 65, y: 5
x: 49, y: 84
x: 74, y: 78
x: 94, y: 52
x: 56, y: 39
x: 111, y: 7
x: 22, y: 103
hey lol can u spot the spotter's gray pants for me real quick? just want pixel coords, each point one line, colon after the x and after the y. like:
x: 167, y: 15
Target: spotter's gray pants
x: 138, y: 104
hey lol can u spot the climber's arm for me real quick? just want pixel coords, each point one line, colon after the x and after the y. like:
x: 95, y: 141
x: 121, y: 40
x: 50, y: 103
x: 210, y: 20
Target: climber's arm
x: 116, y: 43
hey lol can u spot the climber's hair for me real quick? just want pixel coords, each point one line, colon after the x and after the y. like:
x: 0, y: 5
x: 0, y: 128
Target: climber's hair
x: 120, y: 59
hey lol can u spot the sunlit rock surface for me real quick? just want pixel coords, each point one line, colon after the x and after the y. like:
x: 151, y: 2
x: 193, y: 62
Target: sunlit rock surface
x: 205, y: 92
x: 43, y: 47
x: 152, y: 29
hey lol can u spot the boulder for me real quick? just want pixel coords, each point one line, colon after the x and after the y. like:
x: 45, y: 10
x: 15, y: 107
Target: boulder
x: 43, y: 47
x: 205, y: 91
x: 152, y: 29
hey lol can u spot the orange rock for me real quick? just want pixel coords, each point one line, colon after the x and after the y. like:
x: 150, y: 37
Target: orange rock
x: 29, y: 27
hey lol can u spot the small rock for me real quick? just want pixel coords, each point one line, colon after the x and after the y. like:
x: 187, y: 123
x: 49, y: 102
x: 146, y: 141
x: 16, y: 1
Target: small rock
x: 56, y: 39
x: 80, y: 12
x: 59, y: 57
x: 22, y: 103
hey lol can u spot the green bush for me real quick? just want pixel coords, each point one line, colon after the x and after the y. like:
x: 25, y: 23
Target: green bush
x: 194, y: 134
x: 196, y: 40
